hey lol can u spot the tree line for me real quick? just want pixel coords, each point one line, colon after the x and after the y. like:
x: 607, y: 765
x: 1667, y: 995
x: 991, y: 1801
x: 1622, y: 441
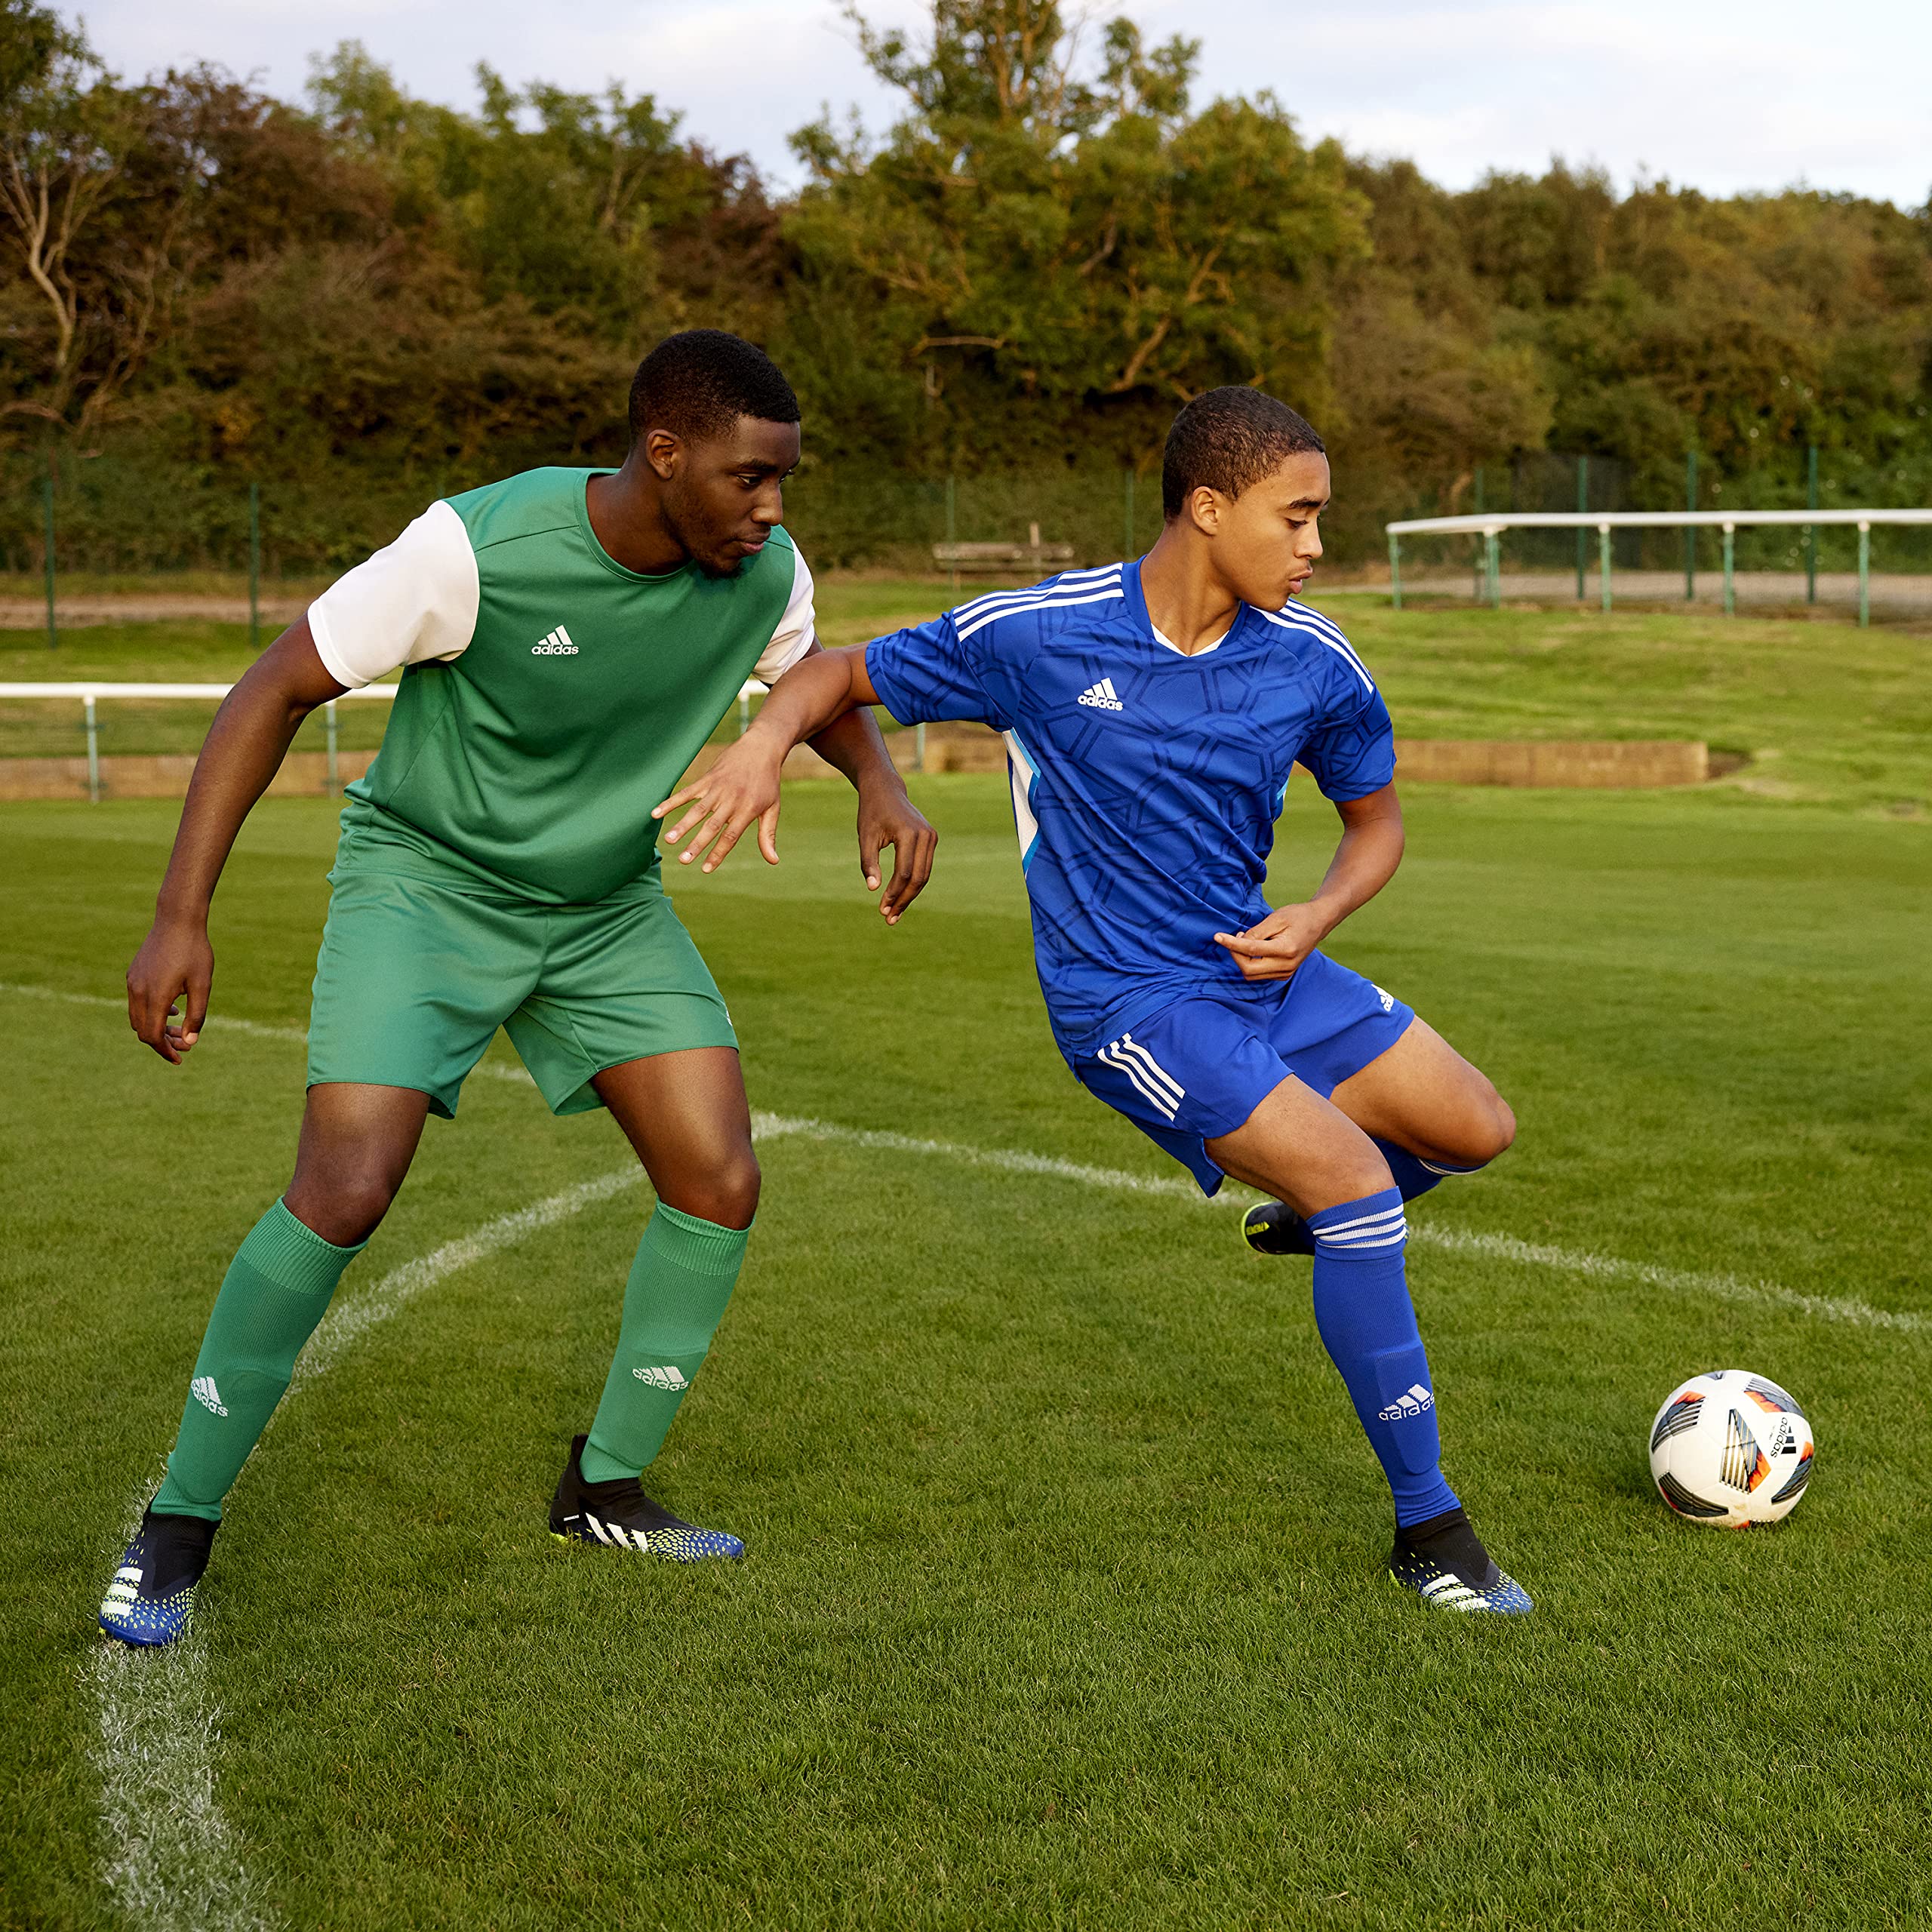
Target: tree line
x: 363, y: 299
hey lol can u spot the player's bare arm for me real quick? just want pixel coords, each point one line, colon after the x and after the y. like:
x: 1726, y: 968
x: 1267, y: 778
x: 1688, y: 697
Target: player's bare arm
x: 852, y: 744
x: 741, y: 790
x: 1370, y: 850
x: 245, y: 746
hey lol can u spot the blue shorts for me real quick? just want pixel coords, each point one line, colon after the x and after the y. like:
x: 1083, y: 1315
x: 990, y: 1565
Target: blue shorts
x: 1198, y: 1069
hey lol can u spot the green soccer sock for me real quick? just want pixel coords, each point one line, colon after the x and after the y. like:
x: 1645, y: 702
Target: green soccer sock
x: 681, y: 1279
x: 272, y: 1295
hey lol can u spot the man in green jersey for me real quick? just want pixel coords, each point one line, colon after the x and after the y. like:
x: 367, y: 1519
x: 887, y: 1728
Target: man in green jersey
x: 568, y: 640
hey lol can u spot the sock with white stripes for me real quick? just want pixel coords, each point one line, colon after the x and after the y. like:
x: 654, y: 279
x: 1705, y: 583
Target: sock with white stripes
x: 1368, y: 1326
x: 685, y: 1270
x: 1412, y: 1174
x: 272, y: 1295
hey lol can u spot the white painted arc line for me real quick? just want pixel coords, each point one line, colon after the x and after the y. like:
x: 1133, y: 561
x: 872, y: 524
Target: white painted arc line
x: 1501, y: 1247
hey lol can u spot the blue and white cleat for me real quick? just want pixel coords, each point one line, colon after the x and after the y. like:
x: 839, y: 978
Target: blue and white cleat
x: 619, y: 1515
x: 1445, y: 1563
x: 152, y: 1595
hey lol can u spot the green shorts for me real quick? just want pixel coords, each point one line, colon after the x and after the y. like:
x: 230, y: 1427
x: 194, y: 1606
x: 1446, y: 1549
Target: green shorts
x: 413, y: 979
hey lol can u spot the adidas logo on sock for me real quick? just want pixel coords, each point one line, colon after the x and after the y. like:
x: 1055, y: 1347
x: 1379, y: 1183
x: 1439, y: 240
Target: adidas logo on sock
x: 1103, y: 697
x: 666, y: 1377
x: 1415, y: 1403
x: 557, y: 645
x: 205, y: 1392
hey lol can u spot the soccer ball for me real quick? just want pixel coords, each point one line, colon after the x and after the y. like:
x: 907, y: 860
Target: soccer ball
x: 1731, y: 1450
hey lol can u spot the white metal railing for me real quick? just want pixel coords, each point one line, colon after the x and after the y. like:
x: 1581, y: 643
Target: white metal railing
x: 87, y: 691
x: 1490, y: 525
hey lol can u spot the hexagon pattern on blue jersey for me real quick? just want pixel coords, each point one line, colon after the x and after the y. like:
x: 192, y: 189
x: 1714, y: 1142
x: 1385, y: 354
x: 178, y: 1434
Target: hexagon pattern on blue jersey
x: 1146, y: 782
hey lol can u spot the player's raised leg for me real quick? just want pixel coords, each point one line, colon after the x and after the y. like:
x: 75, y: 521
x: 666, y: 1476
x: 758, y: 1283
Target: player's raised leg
x: 356, y: 1145
x: 686, y: 1115
x: 1305, y: 1151
x: 1431, y: 1114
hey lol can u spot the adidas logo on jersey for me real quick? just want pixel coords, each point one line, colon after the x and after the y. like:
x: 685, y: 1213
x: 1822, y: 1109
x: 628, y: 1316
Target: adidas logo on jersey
x: 205, y: 1392
x: 1417, y: 1402
x: 666, y: 1377
x: 557, y: 645
x: 1388, y: 999
x: 1103, y: 697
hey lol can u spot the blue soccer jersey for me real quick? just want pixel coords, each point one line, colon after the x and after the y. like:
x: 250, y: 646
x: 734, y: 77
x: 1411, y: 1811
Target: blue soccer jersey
x: 1145, y: 782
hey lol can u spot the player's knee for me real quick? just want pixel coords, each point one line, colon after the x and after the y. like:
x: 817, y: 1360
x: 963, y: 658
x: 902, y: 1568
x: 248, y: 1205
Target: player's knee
x: 726, y: 1192
x: 345, y: 1206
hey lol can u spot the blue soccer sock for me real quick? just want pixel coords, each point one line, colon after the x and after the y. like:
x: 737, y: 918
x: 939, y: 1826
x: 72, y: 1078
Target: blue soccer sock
x: 1412, y: 1174
x: 1367, y: 1324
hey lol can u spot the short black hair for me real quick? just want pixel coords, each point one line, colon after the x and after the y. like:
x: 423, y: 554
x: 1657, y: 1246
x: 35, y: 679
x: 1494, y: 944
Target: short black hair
x: 1228, y: 439
x: 698, y: 383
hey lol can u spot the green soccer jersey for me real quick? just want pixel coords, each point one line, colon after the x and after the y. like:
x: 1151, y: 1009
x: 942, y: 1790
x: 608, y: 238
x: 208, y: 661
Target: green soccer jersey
x: 550, y: 698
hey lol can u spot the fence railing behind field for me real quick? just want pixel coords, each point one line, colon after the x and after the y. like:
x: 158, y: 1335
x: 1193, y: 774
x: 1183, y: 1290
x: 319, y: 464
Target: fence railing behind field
x: 1489, y: 531
x: 89, y: 695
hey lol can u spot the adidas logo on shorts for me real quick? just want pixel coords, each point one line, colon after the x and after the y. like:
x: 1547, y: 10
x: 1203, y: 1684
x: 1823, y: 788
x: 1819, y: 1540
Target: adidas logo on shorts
x: 1103, y: 697
x: 666, y: 1377
x: 205, y: 1392
x: 1417, y: 1402
x: 557, y: 645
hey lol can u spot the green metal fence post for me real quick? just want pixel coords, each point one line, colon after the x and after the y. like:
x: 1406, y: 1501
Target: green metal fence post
x: 1394, y: 571
x: 1493, y: 545
x: 46, y: 493
x: 1475, y: 586
x: 1730, y: 558
x: 1603, y: 561
x: 331, y: 779
x: 1864, y: 573
x: 1811, y: 529
x: 1127, y: 550
x: 1583, y: 510
x: 1689, y: 529
x: 951, y: 534
x: 94, y: 751
x: 919, y: 746
x: 254, y: 566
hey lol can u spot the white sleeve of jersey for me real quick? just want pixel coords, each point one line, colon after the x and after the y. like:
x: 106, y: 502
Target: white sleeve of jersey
x: 412, y: 601
x: 795, y: 634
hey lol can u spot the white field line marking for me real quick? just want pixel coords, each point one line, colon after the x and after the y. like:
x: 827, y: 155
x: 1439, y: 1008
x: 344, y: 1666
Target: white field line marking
x: 172, y: 1861
x: 1501, y: 1247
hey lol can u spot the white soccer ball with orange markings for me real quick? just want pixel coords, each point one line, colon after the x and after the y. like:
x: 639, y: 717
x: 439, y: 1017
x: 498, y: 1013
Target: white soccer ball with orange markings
x: 1731, y: 1449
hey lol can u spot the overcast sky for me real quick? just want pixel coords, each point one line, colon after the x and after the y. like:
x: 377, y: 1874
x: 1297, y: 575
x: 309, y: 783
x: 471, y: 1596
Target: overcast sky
x: 1720, y: 94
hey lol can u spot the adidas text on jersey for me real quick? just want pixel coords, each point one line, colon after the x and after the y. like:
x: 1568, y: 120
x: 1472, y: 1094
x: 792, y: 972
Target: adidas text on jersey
x: 557, y: 645
x: 1103, y: 697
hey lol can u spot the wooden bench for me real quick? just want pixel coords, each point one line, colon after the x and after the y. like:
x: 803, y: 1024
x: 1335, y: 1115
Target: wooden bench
x: 988, y: 559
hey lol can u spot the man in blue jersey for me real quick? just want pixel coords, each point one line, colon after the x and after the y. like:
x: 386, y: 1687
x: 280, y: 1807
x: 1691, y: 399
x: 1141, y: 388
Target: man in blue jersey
x: 1152, y: 713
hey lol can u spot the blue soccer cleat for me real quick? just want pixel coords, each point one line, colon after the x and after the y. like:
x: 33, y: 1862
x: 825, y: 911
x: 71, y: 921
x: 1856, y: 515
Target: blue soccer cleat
x: 1445, y: 1563
x: 152, y: 1594
x: 619, y: 1515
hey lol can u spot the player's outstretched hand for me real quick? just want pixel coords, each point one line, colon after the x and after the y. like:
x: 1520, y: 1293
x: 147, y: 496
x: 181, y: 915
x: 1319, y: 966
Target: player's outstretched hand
x: 887, y: 817
x: 1272, y: 949
x: 175, y: 966
x: 740, y: 788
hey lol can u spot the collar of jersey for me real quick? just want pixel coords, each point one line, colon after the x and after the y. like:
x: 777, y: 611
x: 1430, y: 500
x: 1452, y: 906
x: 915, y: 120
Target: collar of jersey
x: 1143, y: 625
x: 603, y: 556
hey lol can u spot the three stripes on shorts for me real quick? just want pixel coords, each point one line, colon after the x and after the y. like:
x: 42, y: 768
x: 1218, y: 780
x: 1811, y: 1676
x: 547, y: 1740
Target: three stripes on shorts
x: 1154, y: 1083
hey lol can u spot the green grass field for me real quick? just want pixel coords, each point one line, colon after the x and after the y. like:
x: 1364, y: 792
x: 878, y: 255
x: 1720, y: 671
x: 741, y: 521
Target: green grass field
x: 1064, y: 1605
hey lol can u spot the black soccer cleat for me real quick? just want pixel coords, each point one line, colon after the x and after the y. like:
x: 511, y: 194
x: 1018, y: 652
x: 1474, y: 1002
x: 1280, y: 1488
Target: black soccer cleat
x: 1270, y: 1228
x: 618, y: 1513
x: 151, y: 1596
x: 1443, y: 1561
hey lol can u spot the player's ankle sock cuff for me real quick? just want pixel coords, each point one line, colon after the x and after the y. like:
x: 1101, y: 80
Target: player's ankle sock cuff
x: 705, y: 1247
x: 292, y: 1255
x: 177, y: 1548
